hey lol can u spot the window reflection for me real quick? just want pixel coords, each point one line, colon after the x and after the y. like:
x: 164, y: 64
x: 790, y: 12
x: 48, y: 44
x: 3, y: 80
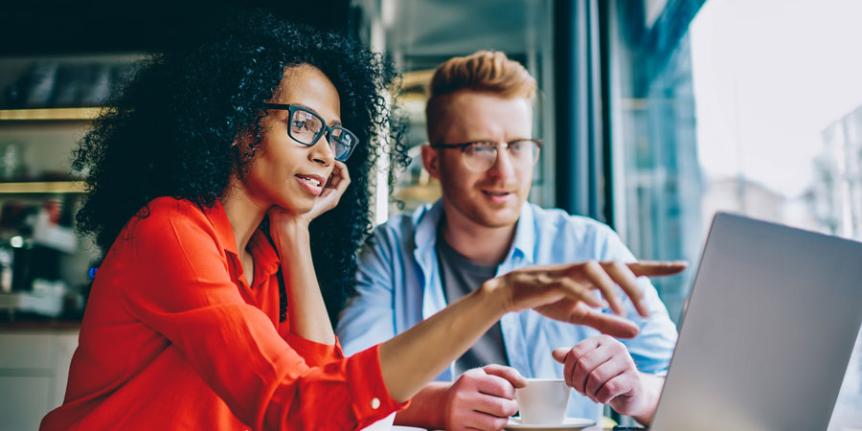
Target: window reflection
x: 756, y: 109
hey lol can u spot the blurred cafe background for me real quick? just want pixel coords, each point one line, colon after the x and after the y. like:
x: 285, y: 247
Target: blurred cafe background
x: 655, y: 115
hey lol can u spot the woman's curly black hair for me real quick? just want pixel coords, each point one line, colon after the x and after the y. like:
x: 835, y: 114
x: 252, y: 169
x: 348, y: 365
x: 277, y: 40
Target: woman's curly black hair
x: 169, y: 131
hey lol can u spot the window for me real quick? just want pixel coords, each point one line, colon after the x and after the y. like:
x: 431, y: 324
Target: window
x: 419, y: 36
x: 751, y: 107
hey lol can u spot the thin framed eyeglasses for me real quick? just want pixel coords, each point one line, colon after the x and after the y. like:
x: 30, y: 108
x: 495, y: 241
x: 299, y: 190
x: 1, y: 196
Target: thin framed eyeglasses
x: 479, y: 156
x: 306, y: 127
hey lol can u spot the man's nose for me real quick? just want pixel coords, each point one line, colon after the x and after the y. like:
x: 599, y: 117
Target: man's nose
x: 503, y: 166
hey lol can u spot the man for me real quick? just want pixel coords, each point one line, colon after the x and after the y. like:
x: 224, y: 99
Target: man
x: 483, y: 153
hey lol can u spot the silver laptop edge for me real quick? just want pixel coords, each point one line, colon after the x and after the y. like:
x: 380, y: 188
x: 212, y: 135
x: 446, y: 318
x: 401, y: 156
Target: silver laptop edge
x: 767, y: 331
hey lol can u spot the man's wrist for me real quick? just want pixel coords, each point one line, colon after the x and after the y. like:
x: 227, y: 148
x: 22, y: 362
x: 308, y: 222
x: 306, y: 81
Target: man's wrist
x: 428, y: 408
x: 442, y: 405
x: 650, y: 392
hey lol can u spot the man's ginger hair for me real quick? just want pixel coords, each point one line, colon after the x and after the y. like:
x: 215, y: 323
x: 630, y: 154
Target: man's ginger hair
x: 488, y: 72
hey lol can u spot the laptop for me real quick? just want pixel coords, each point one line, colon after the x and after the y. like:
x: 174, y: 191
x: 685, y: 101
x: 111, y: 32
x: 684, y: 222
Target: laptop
x: 767, y: 332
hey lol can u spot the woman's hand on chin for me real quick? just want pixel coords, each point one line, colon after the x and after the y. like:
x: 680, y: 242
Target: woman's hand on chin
x: 333, y: 190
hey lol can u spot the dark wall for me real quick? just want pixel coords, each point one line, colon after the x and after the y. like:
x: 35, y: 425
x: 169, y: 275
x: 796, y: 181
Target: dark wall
x: 90, y: 26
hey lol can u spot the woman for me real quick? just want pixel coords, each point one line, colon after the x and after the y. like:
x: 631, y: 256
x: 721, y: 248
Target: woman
x: 208, y: 183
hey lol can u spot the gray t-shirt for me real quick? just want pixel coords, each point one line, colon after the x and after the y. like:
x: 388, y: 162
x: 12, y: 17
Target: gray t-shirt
x: 460, y: 276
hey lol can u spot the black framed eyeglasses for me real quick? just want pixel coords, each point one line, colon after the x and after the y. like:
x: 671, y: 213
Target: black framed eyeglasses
x: 481, y: 155
x: 307, y: 127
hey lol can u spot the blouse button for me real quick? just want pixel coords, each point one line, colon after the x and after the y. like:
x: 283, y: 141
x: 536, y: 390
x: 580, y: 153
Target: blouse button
x: 375, y: 403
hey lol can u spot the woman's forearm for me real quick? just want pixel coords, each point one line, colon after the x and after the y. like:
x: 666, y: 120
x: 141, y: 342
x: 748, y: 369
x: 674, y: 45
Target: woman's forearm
x: 305, y: 307
x: 562, y: 292
x: 413, y: 358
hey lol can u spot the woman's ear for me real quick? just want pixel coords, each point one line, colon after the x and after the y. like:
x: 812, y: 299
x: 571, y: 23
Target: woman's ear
x: 242, y: 141
x: 243, y: 148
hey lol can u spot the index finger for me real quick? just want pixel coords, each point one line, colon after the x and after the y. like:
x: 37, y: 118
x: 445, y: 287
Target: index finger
x: 496, y: 386
x: 508, y: 373
x: 340, y: 176
x: 646, y: 268
x: 626, y: 279
x: 609, y: 324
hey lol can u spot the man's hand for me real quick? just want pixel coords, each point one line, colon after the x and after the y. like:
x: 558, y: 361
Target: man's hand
x: 568, y: 292
x: 602, y: 369
x: 483, y: 398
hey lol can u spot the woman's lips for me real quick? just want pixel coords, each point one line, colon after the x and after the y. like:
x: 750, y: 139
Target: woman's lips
x: 313, y: 184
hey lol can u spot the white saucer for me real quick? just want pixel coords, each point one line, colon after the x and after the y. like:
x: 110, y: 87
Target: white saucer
x: 569, y: 424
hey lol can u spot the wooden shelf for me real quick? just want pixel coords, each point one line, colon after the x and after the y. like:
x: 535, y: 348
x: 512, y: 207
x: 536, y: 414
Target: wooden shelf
x: 43, y: 187
x: 417, y: 78
x: 427, y: 193
x: 50, y: 114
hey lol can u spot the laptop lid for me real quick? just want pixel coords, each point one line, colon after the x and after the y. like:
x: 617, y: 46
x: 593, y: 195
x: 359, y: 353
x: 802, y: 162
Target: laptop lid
x: 767, y: 333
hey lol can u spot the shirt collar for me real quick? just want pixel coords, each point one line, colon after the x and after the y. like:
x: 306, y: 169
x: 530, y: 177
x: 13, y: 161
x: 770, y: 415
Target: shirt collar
x: 265, y: 256
x: 427, y: 219
x: 525, y: 234
x: 223, y: 229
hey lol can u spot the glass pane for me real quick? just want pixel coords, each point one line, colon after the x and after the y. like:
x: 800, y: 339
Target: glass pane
x: 755, y: 109
x: 304, y: 126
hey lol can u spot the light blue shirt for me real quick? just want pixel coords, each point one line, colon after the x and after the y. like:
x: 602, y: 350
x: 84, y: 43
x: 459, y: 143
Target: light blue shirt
x: 399, y: 285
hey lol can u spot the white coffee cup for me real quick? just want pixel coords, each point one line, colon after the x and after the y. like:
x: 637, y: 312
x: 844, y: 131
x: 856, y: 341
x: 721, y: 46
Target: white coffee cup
x: 543, y: 401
